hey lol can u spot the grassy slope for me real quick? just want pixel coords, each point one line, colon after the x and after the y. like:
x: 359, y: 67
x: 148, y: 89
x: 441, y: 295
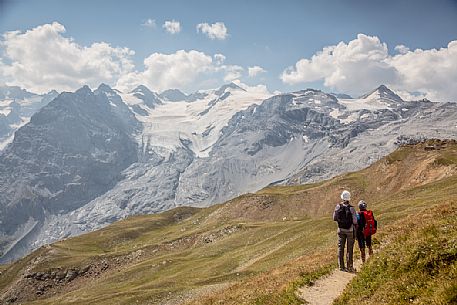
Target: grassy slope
x: 431, y: 202
x: 257, y: 247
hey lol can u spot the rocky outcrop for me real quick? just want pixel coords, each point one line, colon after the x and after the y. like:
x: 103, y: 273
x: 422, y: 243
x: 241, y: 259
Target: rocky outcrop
x: 71, y: 152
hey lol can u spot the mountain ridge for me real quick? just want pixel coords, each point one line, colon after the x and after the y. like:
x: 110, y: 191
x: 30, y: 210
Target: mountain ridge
x: 220, y: 146
x: 60, y: 159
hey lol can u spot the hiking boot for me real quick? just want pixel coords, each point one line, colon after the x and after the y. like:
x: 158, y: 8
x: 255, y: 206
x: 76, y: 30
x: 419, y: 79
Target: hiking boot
x: 343, y: 270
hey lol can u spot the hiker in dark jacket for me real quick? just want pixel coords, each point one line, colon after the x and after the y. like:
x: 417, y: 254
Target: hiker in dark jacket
x: 346, y: 217
x: 366, y: 226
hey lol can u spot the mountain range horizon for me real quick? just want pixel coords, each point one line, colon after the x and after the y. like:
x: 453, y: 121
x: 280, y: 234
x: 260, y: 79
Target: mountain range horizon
x: 175, y: 94
x: 144, y: 152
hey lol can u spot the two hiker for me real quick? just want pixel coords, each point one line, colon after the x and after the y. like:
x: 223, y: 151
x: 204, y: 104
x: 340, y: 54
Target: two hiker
x: 353, y: 225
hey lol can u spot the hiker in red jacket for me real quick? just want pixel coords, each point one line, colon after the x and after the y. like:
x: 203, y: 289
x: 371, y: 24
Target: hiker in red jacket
x: 346, y: 217
x: 366, y: 226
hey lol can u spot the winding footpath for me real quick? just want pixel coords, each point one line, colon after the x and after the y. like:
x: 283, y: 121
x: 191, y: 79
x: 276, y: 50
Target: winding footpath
x: 327, y: 288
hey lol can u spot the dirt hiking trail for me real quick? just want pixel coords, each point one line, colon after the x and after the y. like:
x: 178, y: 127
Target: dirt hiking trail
x: 327, y: 288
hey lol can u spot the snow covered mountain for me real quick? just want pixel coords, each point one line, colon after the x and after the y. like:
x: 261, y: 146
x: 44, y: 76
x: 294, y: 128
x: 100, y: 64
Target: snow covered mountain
x: 16, y: 108
x: 92, y: 157
x: 382, y: 94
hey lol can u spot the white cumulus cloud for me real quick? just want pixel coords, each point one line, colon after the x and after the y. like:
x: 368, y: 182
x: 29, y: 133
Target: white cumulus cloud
x: 219, y: 58
x: 355, y: 67
x: 149, y: 23
x: 216, y: 30
x: 164, y: 71
x: 172, y: 26
x: 41, y: 59
x: 402, y: 49
x: 432, y: 72
x: 186, y: 70
x: 364, y: 63
x: 232, y: 72
x: 255, y: 70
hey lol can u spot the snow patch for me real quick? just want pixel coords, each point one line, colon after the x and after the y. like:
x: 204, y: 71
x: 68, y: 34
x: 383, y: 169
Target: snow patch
x: 351, y: 118
x: 5, y: 111
x: 360, y: 104
x: 336, y: 113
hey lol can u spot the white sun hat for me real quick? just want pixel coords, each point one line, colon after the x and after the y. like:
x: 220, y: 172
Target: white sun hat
x: 345, y: 195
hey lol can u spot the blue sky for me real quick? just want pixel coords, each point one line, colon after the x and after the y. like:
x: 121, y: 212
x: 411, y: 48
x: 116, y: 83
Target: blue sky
x: 271, y: 34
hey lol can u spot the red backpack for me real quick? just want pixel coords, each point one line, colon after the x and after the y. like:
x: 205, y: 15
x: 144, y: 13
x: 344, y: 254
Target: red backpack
x: 370, y: 223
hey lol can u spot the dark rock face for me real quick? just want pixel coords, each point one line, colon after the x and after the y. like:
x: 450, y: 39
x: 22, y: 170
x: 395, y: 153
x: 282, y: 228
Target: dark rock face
x: 275, y: 122
x: 72, y: 151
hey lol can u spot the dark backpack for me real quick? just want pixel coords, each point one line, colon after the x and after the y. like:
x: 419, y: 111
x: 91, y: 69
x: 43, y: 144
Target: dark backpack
x: 344, y: 216
x: 370, y: 223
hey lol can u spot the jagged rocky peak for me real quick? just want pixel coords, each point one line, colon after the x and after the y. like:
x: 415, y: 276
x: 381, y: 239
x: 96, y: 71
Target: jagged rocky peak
x: 150, y: 98
x: 141, y: 89
x: 173, y: 95
x: 111, y: 94
x: 84, y: 90
x: 229, y: 86
x: 104, y: 88
x: 382, y: 92
x: 72, y: 151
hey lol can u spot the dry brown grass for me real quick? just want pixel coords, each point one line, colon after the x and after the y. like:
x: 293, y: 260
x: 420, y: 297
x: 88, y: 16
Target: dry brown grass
x: 268, y: 287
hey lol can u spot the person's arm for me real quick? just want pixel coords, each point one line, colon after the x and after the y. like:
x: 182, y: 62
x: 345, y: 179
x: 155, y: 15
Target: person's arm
x: 362, y: 220
x: 335, y: 213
